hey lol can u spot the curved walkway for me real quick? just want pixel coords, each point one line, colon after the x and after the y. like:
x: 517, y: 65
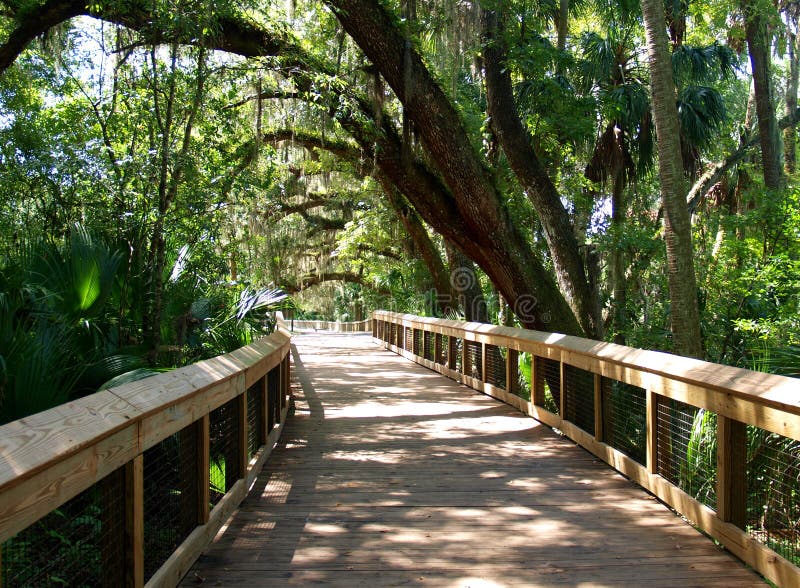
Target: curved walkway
x: 392, y: 475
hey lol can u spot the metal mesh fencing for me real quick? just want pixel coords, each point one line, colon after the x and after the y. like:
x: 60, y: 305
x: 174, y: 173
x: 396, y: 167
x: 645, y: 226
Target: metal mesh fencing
x: 773, y: 491
x: 496, y: 365
x: 427, y: 345
x: 255, y: 417
x: 625, y: 418
x: 170, y: 496
x: 409, y: 344
x: 81, y: 543
x: 417, y: 348
x: 393, y: 333
x: 473, y: 350
x: 459, y: 354
x: 522, y: 386
x: 442, y: 344
x: 579, y: 397
x: 548, y: 381
x: 686, y: 441
x: 273, y: 397
x: 223, y: 449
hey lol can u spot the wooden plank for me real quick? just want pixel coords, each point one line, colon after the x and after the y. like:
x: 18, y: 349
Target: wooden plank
x: 203, y: 468
x: 410, y: 479
x: 134, y: 522
x: 751, y: 397
x: 732, y: 471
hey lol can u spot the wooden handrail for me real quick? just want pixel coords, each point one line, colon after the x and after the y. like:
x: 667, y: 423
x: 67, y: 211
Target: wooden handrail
x: 738, y: 397
x: 364, y: 326
x: 50, y: 457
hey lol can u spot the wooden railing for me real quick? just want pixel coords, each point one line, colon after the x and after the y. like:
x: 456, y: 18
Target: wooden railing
x: 133, y: 482
x: 718, y: 444
x: 334, y: 326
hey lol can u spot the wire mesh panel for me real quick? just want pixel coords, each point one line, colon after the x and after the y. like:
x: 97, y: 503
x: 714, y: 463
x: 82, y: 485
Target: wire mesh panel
x: 273, y: 397
x: 427, y: 345
x: 170, y: 496
x: 496, y: 365
x: 548, y: 382
x: 625, y: 418
x: 440, y: 344
x: 474, y: 353
x: 522, y: 386
x: 409, y: 345
x: 773, y: 491
x: 687, y: 449
x: 458, y: 354
x: 79, y: 544
x: 255, y: 417
x: 417, y: 348
x: 393, y: 333
x: 223, y: 449
x: 579, y: 397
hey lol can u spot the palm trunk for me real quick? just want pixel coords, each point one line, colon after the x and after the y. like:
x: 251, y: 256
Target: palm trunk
x: 758, y: 44
x: 790, y: 133
x: 685, y: 314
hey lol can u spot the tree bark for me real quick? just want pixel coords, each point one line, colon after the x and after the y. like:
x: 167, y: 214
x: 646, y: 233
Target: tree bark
x: 543, y: 194
x: 758, y: 44
x: 423, y: 244
x: 685, y: 316
x: 790, y: 133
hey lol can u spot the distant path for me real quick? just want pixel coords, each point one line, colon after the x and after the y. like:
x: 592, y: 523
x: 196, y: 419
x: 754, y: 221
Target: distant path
x: 392, y: 475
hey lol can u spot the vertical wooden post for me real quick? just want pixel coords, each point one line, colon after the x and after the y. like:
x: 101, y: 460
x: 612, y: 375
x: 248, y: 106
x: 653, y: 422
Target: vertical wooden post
x: 731, y: 471
x: 599, y: 424
x: 244, y: 425
x: 512, y: 370
x: 203, y: 467
x: 134, y: 522
x: 562, y: 390
x: 287, y: 387
x: 483, y: 363
x: 652, y: 431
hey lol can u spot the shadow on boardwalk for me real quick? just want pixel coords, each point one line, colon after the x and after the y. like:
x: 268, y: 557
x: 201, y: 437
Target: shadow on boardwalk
x: 391, y: 475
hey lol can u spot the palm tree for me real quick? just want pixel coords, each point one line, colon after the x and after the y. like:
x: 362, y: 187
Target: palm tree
x: 677, y: 227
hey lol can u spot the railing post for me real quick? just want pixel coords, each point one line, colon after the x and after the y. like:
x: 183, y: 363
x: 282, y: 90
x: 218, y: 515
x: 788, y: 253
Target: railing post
x: 731, y: 471
x: 483, y: 363
x: 562, y: 390
x: 203, y: 467
x: 134, y: 522
x: 287, y: 384
x: 599, y: 413
x: 512, y: 370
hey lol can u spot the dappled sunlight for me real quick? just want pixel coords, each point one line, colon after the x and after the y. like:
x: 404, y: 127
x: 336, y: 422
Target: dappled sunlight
x: 398, y: 476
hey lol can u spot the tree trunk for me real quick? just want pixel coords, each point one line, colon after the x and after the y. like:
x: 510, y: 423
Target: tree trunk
x: 677, y: 227
x: 617, y: 261
x: 471, y: 212
x: 516, y: 143
x: 423, y: 244
x: 464, y: 280
x: 758, y: 44
x: 790, y: 133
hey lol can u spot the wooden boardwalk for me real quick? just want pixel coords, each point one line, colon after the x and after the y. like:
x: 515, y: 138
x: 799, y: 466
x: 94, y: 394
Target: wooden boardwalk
x: 391, y: 475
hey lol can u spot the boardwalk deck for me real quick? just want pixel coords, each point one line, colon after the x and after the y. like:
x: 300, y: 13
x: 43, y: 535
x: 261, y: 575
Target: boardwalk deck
x: 391, y: 475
